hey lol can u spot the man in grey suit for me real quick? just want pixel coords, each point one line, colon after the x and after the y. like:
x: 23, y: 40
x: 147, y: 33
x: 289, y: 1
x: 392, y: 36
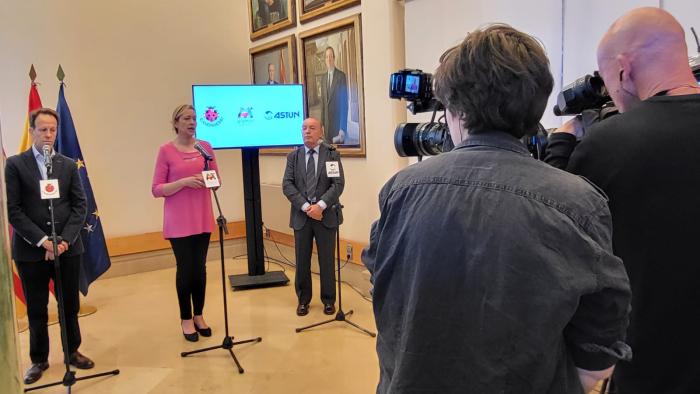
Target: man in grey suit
x: 334, y: 101
x: 313, y: 181
x: 32, y: 247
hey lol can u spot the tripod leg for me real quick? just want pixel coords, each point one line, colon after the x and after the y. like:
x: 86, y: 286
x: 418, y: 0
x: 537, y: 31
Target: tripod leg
x: 185, y: 354
x: 370, y: 333
x: 240, y: 369
x: 314, y: 325
x: 256, y: 340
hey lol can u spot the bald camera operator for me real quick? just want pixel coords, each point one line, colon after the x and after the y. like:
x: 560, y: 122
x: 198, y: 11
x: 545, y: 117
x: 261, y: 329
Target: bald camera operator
x: 647, y: 161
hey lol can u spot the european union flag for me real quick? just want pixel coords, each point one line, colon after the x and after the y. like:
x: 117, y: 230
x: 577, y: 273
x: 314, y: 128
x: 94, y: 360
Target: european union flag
x: 96, y: 258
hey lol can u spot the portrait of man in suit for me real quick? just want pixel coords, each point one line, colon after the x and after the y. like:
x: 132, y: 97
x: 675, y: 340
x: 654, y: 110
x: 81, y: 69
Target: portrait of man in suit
x: 271, y: 79
x: 334, y: 101
x: 314, y: 194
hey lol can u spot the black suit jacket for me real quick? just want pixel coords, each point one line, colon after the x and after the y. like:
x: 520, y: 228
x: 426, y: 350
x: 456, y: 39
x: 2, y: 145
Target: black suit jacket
x: 335, y: 104
x: 327, y: 189
x: 29, y: 215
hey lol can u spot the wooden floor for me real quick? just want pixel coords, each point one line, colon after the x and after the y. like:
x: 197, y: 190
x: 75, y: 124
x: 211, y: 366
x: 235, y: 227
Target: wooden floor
x: 136, y: 329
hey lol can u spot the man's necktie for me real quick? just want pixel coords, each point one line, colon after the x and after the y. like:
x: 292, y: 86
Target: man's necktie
x: 311, y: 177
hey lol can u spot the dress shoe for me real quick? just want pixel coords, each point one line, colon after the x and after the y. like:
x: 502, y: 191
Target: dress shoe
x: 34, y: 372
x: 79, y: 361
x: 329, y: 309
x: 194, y: 337
x: 303, y: 309
x: 205, y: 332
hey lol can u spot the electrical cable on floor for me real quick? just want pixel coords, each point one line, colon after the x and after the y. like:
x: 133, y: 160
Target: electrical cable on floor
x: 281, y: 263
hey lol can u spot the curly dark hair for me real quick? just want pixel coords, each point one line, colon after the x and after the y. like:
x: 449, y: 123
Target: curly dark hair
x: 498, y: 79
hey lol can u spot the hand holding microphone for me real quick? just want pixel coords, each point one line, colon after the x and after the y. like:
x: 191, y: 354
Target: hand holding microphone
x: 194, y: 182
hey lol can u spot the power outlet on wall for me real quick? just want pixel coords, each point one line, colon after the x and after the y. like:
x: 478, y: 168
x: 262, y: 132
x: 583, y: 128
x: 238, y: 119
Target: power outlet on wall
x: 348, y: 249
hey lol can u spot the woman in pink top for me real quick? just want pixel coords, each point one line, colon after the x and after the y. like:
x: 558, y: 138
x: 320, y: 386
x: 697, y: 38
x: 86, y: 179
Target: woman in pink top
x: 187, y: 219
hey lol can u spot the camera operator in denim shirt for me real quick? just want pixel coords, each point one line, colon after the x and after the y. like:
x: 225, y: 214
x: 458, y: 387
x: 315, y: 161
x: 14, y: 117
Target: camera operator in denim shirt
x: 493, y: 272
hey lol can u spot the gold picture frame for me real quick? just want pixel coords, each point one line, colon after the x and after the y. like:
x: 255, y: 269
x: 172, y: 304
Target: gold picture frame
x: 266, y: 17
x: 337, y: 100
x: 314, y: 9
x: 274, y: 62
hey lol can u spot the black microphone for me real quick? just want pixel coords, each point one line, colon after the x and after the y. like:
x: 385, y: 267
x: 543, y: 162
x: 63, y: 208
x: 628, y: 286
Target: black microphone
x: 326, y: 144
x: 202, y: 151
x: 47, y: 156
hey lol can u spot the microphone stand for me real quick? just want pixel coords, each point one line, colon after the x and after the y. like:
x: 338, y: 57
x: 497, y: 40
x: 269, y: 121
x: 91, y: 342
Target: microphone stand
x: 227, y: 343
x: 69, y: 378
x: 340, y: 315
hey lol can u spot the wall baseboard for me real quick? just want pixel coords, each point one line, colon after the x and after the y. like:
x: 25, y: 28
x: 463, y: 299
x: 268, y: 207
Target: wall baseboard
x: 152, y: 248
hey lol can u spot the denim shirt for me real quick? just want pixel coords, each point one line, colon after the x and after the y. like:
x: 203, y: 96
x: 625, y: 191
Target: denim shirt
x: 494, y: 273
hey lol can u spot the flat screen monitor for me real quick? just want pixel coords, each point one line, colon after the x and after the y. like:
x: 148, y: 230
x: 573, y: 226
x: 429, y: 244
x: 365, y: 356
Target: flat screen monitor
x: 249, y: 116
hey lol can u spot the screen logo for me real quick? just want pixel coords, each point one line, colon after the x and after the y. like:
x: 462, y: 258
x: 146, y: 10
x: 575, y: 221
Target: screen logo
x: 269, y: 115
x: 212, y: 117
x: 245, y: 115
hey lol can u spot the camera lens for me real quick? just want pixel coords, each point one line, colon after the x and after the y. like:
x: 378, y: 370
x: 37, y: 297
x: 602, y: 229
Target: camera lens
x: 585, y: 93
x: 422, y: 139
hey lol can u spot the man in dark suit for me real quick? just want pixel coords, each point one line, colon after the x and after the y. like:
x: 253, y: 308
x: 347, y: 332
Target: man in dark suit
x: 271, y: 74
x: 334, y: 101
x: 313, y: 182
x: 32, y: 247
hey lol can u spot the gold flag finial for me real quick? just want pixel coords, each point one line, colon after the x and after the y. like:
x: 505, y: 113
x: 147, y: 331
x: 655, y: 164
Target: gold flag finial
x: 60, y: 74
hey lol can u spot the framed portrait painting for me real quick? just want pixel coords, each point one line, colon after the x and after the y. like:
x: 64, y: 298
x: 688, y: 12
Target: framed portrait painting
x: 266, y: 17
x: 313, y: 9
x: 274, y: 62
x: 331, y: 71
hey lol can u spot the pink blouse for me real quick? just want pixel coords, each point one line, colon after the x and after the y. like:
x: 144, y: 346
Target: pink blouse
x: 188, y: 211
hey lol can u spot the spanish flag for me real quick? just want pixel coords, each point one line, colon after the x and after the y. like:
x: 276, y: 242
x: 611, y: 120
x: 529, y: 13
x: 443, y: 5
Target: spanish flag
x: 25, y: 143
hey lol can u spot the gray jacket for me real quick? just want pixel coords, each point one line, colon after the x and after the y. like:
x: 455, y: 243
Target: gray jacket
x: 327, y: 189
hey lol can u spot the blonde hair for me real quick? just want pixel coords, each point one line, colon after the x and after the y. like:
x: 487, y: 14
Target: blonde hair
x: 178, y: 113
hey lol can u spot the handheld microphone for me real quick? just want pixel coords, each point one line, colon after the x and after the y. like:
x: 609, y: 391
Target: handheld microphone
x: 326, y: 144
x: 47, y: 156
x: 202, y: 151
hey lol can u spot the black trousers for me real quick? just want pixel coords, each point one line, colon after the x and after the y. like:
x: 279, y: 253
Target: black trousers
x: 191, y: 276
x: 325, y: 244
x: 35, y: 277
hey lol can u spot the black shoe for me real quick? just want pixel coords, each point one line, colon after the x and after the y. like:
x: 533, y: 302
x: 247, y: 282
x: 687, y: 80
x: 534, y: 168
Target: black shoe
x: 34, y: 372
x: 303, y: 309
x: 79, y: 361
x: 205, y: 332
x: 329, y: 309
x: 194, y: 337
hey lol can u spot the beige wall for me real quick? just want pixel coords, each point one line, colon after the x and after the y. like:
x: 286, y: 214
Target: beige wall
x: 129, y: 63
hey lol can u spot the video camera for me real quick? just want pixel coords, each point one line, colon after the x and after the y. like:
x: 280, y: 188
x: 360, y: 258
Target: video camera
x: 433, y: 138
x: 419, y: 139
x: 589, y: 93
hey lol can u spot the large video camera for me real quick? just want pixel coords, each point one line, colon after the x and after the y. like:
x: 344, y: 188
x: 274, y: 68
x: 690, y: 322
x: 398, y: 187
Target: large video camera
x: 433, y: 138
x: 588, y: 93
x: 419, y: 139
